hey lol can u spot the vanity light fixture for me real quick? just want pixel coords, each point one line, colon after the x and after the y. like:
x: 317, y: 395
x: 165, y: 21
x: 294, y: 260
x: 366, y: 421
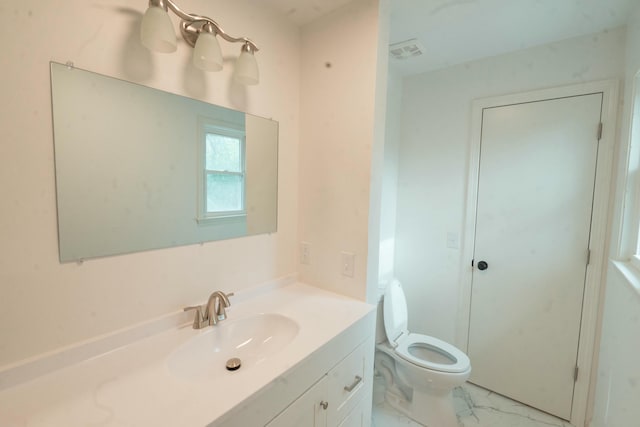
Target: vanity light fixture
x: 200, y: 32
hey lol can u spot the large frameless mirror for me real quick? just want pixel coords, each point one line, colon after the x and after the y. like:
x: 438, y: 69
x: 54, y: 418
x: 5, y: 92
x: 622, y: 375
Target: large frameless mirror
x: 140, y: 169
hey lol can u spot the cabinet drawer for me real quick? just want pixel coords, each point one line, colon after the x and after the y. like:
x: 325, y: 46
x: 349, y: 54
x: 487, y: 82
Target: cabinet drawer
x: 346, y: 383
x: 357, y: 417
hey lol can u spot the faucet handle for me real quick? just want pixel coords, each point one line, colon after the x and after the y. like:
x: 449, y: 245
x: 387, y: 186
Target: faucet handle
x: 198, y: 308
x: 199, y: 321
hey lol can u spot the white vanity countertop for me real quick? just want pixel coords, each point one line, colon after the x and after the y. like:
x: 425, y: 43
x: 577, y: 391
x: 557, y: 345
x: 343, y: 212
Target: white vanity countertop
x: 132, y: 386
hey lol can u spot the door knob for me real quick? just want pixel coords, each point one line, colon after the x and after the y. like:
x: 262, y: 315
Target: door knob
x: 482, y: 265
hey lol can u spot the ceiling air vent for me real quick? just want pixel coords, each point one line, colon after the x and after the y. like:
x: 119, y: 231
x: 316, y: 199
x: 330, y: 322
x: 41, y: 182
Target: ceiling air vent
x: 406, y: 49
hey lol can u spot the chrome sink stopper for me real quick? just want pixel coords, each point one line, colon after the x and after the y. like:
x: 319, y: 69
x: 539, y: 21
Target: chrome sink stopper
x: 233, y: 364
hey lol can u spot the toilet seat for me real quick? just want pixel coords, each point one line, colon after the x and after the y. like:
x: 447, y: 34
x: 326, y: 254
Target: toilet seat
x: 421, y: 350
x: 454, y: 360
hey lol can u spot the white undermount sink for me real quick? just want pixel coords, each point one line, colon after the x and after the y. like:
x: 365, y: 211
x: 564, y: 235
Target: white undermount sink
x: 252, y: 339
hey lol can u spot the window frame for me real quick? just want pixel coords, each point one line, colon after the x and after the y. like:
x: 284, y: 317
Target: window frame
x: 628, y: 232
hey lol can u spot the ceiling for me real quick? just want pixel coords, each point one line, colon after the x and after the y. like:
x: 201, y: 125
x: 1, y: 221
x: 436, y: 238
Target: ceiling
x: 458, y: 31
x: 303, y: 12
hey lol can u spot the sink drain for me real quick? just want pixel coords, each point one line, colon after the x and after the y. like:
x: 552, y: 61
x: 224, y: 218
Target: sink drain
x: 233, y: 364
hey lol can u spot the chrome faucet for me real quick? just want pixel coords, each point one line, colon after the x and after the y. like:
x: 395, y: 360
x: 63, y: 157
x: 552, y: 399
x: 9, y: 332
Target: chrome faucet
x: 211, y: 313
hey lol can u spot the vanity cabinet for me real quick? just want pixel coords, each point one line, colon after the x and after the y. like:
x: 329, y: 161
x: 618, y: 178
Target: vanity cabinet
x: 337, y: 399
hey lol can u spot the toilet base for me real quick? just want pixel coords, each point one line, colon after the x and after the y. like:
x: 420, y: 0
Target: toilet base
x: 430, y: 410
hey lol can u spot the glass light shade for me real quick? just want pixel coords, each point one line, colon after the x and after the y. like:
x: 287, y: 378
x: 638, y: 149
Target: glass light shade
x: 246, y: 71
x: 156, y: 31
x: 206, y: 52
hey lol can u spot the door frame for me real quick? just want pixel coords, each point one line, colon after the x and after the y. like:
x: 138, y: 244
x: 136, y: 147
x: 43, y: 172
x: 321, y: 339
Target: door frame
x: 598, y: 242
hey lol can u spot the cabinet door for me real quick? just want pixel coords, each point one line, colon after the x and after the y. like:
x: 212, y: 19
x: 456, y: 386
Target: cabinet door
x: 306, y: 411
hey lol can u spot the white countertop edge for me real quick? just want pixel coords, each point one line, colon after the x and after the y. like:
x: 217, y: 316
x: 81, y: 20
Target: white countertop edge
x: 34, y: 367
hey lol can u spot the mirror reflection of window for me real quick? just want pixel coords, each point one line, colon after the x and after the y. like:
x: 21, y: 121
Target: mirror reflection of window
x: 222, y: 176
x: 224, y: 173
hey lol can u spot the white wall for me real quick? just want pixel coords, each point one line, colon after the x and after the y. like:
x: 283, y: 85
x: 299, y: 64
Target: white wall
x: 433, y: 159
x: 45, y: 305
x: 617, y: 388
x: 390, y: 181
x: 334, y: 114
x: 340, y: 88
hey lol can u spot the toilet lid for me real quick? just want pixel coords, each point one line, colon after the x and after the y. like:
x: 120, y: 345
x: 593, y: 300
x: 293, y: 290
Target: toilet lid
x: 395, y: 311
x: 432, y: 353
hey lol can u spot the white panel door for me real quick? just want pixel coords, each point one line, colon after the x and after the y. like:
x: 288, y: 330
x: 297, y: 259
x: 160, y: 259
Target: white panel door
x: 535, y: 194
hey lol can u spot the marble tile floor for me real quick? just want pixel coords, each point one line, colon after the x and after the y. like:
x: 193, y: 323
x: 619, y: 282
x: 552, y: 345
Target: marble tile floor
x: 475, y: 407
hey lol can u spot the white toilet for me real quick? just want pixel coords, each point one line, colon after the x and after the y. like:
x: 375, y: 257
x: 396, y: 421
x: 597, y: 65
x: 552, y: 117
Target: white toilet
x: 420, y: 371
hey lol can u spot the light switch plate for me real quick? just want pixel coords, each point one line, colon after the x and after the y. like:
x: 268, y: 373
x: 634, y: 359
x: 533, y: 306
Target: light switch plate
x: 305, y: 253
x: 348, y: 264
x: 453, y: 240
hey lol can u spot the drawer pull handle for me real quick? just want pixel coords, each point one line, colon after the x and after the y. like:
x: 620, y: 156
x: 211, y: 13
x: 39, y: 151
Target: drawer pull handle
x: 324, y: 404
x: 349, y: 388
